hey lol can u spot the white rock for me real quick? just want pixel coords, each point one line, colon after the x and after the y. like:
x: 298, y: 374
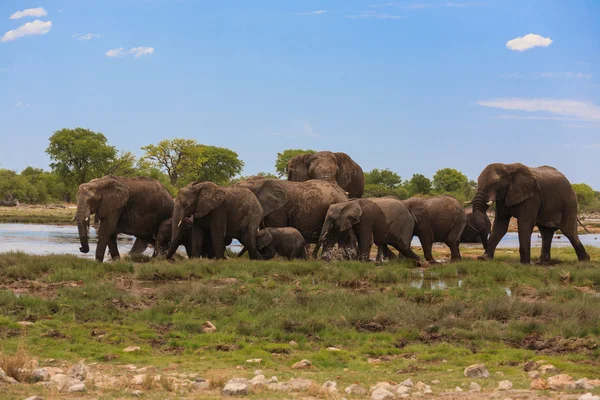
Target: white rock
x: 258, y: 372
x: 458, y: 389
x: 137, y: 380
x: 402, y: 389
x: 209, y: 327
x: 35, y: 398
x: 333, y: 349
x: 548, y: 369
x: 78, y: 387
x: 422, y: 387
x: 384, y: 385
x: 586, y: 384
x: 535, y: 374
x: 299, y: 384
x: 5, y: 378
x: 356, y: 389
x: 25, y: 323
x: 435, y: 382
x: 79, y: 371
x: 136, y: 393
x: 477, y: 371
x: 303, y: 364
x: 505, y: 385
x: 131, y: 349
x: 560, y: 382
x: 382, y: 394
x: 329, y: 387
x: 474, y: 387
x: 407, y: 383
x: 293, y: 343
x: 63, y: 381
x: 589, y: 396
x: 200, y: 384
x: 236, y: 387
x: 254, y: 361
x: 40, y: 374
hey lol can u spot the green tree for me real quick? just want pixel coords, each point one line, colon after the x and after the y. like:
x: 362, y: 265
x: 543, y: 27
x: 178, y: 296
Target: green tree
x: 383, y: 177
x: 124, y: 164
x: 175, y: 157
x: 282, y: 159
x: 419, y: 184
x: 585, y: 195
x: 79, y: 155
x: 449, y: 180
x: 219, y: 166
x: 185, y: 160
x: 374, y: 190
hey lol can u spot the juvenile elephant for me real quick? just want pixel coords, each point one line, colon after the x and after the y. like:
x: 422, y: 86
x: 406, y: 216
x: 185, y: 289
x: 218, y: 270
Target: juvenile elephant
x: 383, y: 221
x: 541, y: 197
x: 332, y: 167
x: 287, y: 242
x: 477, y: 229
x: 438, y: 219
x: 134, y: 206
x: 219, y: 213
x: 164, y: 236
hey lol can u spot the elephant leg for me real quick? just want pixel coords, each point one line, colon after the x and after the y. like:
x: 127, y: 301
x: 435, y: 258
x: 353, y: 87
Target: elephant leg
x: 139, y: 246
x: 547, y: 234
x: 484, y: 239
x: 498, y: 231
x: 107, y: 227
x: 571, y: 234
x: 427, y: 244
x: 198, y: 240
x: 454, y: 250
x: 407, y: 252
x: 113, y: 249
x: 365, y: 242
x: 301, y: 254
x: 248, y: 239
x: 525, y: 231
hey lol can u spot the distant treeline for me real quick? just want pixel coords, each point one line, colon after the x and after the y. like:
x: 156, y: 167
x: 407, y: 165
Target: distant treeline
x: 79, y: 155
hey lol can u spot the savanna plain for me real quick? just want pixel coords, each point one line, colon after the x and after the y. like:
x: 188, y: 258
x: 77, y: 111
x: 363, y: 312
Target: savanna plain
x: 187, y: 329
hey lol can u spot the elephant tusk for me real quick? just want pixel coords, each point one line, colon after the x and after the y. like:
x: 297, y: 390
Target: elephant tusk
x: 468, y: 202
x: 489, y: 203
x: 179, y: 224
x: 87, y: 219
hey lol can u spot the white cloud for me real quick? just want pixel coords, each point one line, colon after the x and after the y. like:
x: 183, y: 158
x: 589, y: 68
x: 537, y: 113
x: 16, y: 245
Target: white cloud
x: 307, y: 131
x: 24, y: 105
x: 137, y: 52
x: 579, y: 110
x: 317, y: 12
x: 36, y: 27
x: 374, y: 15
x: 30, y: 12
x: 581, y: 126
x: 86, y: 36
x: 577, y: 75
x: 463, y: 5
x: 527, y: 42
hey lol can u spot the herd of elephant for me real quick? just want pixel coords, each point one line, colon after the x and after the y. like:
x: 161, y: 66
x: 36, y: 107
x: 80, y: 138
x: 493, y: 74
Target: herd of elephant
x: 321, y: 203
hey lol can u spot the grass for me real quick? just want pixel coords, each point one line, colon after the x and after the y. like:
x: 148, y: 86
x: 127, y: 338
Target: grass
x: 38, y: 214
x: 85, y: 310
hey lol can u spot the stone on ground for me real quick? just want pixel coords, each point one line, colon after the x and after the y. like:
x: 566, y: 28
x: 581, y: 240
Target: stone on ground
x: 561, y: 382
x: 329, y: 387
x: 356, y: 389
x: 382, y: 394
x: 505, y: 385
x: 474, y: 387
x: 131, y: 349
x: 302, y: 364
x: 589, y: 396
x: 477, y: 371
x: 236, y: 387
x: 548, y: 369
x: 538, y: 384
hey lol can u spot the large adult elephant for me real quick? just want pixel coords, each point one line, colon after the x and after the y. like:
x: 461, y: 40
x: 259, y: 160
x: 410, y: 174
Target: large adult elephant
x: 219, y: 213
x: 134, y: 206
x: 300, y: 205
x: 332, y: 167
x: 541, y: 197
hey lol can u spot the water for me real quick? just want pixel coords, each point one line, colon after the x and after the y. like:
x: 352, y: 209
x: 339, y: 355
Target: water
x: 511, y: 240
x: 60, y: 239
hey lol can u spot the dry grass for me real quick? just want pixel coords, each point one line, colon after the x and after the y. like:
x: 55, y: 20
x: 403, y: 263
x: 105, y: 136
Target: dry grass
x: 17, y: 365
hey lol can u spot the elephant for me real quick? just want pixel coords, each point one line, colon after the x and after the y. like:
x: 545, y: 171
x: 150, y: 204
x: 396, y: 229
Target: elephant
x: 163, y: 237
x: 438, y: 219
x: 219, y: 213
x: 383, y: 221
x: 540, y: 196
x: 477, y: 229
x: 287, y: 242
x: 134, y: 206
x: 300, y: 205
x: 332, y: 167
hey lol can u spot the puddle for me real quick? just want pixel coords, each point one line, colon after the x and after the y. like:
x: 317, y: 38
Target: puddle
x: 40, y: 239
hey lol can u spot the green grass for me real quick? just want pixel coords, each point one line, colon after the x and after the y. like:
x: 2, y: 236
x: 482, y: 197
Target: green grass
x: 37, y: 214
x: 367, y: 311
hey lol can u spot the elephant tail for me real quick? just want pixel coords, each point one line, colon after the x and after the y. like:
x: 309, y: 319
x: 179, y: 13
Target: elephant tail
x: 583, y: 226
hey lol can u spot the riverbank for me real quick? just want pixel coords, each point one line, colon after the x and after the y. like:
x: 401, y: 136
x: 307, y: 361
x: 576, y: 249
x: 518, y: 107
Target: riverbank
x: 185, y: 329
x: 62, y: 214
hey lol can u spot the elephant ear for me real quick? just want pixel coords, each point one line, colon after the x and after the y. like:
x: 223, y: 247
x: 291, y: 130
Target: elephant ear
x: 522, y: 186
x: 114, y: 195
x: 345, y: 164
x: 263, y: 239
x: 272, y: 196
x: 298, y: 165
x: 350, y: 216
x: 209, y: 197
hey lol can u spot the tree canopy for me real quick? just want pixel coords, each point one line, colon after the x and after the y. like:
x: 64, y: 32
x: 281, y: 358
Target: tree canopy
x: 585, y: 195
x: 419, y: 184
x: 449, y: 180
x: 383, y: 177
x: 282, y: 159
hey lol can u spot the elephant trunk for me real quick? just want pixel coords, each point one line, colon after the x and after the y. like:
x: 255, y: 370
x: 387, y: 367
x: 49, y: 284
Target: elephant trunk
x: 480, y: 202
x: 83, y: 224
x: 176, y: 231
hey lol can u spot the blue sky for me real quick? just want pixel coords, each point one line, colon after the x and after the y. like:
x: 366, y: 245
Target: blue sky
x: 413, y: 86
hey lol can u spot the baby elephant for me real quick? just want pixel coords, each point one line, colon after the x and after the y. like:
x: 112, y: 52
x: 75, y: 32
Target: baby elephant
x: 163, y: 237
x: 477, y: 230
x: 287, y: 242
